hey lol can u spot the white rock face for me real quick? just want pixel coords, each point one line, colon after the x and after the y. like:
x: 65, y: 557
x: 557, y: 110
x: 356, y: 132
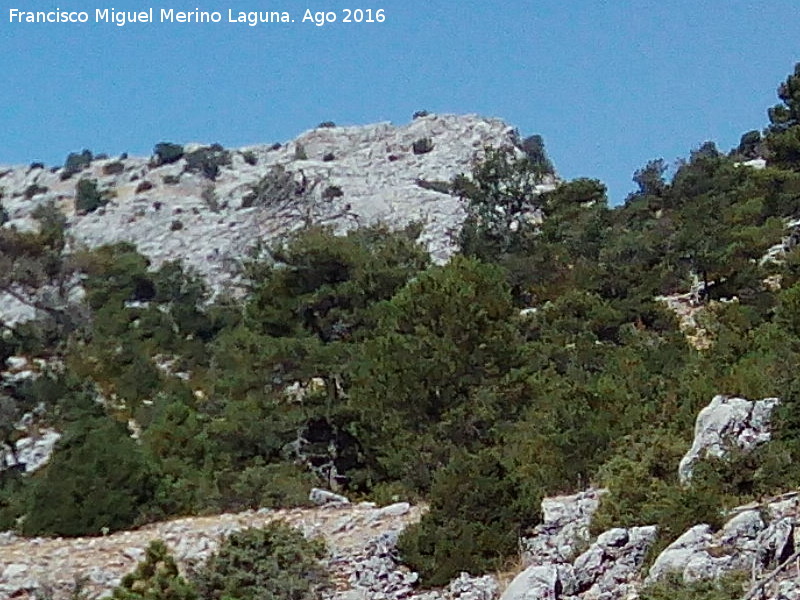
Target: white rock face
x: 534, y: 583
x: 758, y: 164
x: 728, y: 423
x: 170, y: 213
x: 612, y: 563
x: 564, y: 527
x: 35, y: 451
x: 678, y: 554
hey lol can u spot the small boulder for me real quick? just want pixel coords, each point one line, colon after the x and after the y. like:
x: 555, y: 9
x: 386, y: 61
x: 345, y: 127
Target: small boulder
x: 322, y: 497
x: 537, y: 581
x: 678, y: 554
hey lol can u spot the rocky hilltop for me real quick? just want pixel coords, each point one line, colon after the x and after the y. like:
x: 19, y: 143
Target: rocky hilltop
x: 207, y: 205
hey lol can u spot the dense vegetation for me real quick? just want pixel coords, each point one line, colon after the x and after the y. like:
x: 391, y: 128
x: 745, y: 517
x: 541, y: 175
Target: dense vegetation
x: 353, y: 363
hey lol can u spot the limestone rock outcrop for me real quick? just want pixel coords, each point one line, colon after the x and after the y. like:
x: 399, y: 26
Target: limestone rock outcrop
x: 756, y: 540
x: 564, y: 527
x: 728, y: 423
x: 564, y: 565
x: 209, y: 214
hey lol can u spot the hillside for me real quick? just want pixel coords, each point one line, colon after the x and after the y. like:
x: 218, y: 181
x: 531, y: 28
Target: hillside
x: 226, y: 200
x: 600, y: 398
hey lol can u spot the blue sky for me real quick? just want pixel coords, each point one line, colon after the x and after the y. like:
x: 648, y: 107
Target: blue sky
x: 609, y: 85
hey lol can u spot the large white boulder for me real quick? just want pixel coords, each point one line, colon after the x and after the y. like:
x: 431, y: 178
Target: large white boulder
x: 728, y: 423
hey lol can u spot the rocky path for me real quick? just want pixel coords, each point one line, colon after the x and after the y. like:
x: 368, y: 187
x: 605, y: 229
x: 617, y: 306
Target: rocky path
x: 31, y: 565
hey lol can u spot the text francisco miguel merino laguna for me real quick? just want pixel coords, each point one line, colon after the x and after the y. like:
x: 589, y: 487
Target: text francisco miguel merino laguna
x: 163, y: 15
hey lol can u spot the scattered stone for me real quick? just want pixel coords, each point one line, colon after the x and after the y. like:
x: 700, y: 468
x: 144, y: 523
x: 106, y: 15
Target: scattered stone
x: 394, y: 510
x: 322, y: 497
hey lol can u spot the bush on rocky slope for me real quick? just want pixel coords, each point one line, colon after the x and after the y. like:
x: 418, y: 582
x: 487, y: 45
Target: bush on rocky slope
x: 728, y: 588
x: 155, y: 578
x: 88, y: 198
x: 75, y: 163
x: 166, y: 153
x: 274, y: 563
x: 473, y: 524
x: 98, y: 480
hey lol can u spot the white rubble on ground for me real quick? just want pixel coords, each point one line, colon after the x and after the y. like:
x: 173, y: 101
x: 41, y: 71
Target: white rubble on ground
x: 171, y: 213
x: 728, y: 423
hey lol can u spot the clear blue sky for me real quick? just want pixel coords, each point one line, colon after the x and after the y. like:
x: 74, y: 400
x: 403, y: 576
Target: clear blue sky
x: 609, y: 85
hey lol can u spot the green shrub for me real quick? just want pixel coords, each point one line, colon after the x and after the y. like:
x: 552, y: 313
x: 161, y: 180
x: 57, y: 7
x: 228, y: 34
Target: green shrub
x: 533, y: 147
x: 155, y: 578
x: 87, y: 197
x: 273, y: 563
x: 167, y: 153
x: 207, y: 161
x: 422, y: 146
x: 34, y: 190
x: 98, y: 478
x: 279, y: 485
x: 300, y: 152
x: 443, y: 187
x: 144, y: 186
x: 750, y: 145
x: 13, y: 488
x: 113, y: 168
x: 673, y: 587
x: 52, y: 222
x: 644, y: 489
x: 331, y: 192
x: 75, y: 163
x: 473, y: 523
x: 276, y: 187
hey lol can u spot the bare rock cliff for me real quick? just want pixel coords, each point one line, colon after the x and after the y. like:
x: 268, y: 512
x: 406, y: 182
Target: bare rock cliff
x: 211, y: 205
